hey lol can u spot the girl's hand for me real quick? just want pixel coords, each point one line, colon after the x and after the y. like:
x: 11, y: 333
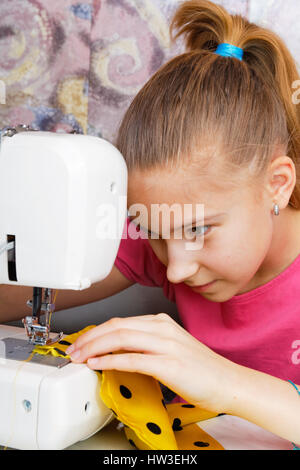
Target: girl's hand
x: 160, y: 347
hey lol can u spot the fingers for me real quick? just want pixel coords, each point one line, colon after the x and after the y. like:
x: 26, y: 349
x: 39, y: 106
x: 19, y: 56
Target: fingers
x: 142, y: 363
x: 143, y: 323
x: 128, y: 340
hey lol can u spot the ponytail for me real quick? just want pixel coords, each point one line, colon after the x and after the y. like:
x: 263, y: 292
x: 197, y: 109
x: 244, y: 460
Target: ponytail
x: 245, y: 105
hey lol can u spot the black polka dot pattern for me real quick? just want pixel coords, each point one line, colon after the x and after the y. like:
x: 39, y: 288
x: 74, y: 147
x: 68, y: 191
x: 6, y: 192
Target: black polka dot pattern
x: 125, y: 392
x: 201, y: 444
x: 157, y: 428
x: 176, y: 425
x: 60, y: 352
x: 64, y: 342
x: 132, y: 443
x: 153, y: 428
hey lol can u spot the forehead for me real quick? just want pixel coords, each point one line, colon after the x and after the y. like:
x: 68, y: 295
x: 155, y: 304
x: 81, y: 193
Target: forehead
x: 182, y: 186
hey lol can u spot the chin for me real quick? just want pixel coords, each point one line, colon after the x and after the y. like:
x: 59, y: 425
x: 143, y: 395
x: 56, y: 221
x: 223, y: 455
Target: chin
x: 217, y: 297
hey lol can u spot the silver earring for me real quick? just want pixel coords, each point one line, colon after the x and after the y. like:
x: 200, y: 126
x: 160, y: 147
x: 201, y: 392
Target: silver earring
x: 276, y: 209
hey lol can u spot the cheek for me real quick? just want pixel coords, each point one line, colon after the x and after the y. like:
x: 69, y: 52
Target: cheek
x: 234, y: 253
x: 243, y: 249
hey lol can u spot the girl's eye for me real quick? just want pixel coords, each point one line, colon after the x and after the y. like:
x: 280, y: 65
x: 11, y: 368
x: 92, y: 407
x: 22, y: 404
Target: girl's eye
x: 198, y: 230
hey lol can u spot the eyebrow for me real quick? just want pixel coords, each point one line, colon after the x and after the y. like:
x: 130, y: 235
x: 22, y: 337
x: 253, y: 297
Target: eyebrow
x: 206, y: 219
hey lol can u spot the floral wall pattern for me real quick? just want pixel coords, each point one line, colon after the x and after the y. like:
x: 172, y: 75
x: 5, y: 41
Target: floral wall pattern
x: 69, y: 65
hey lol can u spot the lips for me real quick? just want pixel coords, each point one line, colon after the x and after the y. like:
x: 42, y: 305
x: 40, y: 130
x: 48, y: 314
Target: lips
x: 203, y: 287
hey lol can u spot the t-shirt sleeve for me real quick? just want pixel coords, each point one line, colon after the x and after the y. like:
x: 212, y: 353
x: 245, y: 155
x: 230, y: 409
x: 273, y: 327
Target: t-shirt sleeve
x: 136, y: 259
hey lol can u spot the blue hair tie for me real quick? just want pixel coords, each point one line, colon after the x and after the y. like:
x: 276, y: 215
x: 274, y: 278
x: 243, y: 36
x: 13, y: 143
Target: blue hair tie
x: 228, y: 50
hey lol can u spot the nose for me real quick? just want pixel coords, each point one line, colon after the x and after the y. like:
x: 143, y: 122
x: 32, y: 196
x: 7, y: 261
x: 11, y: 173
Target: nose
x: 180, y: 268
x: 177, y: 273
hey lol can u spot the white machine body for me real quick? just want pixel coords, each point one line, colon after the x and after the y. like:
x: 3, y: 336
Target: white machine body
x: 63, y: 206
x: 44, y: 407
x: 63, y: 197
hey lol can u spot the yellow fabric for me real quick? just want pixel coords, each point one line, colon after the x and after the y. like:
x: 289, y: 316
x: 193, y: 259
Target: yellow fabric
x: 137, y: 401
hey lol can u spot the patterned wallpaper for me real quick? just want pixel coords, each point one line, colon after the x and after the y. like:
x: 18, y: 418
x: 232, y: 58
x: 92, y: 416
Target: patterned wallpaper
x: 70, y: 65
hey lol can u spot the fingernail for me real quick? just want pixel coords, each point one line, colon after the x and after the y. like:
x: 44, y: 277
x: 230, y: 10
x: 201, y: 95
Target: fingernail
x: 75, y: 355
x: 70, y: 349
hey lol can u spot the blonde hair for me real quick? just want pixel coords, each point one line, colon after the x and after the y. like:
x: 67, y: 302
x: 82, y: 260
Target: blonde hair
x: 203, y: 109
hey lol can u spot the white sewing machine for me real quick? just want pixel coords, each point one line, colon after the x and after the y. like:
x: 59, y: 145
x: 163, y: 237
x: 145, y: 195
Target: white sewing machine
x: 63, y: 204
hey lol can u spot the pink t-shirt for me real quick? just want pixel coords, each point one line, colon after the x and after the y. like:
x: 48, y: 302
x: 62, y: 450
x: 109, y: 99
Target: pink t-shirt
x: 259, y: 329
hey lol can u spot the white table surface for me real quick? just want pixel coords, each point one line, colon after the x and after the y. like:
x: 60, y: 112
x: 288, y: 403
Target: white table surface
x: 232, y: 432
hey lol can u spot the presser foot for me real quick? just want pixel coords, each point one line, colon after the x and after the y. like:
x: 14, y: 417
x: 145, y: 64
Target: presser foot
x: 39, y: 334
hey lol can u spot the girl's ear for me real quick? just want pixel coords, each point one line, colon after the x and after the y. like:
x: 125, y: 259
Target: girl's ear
x: 281, y: 180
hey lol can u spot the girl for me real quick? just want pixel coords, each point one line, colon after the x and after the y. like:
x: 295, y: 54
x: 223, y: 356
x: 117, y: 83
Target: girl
x: 216, y: 125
